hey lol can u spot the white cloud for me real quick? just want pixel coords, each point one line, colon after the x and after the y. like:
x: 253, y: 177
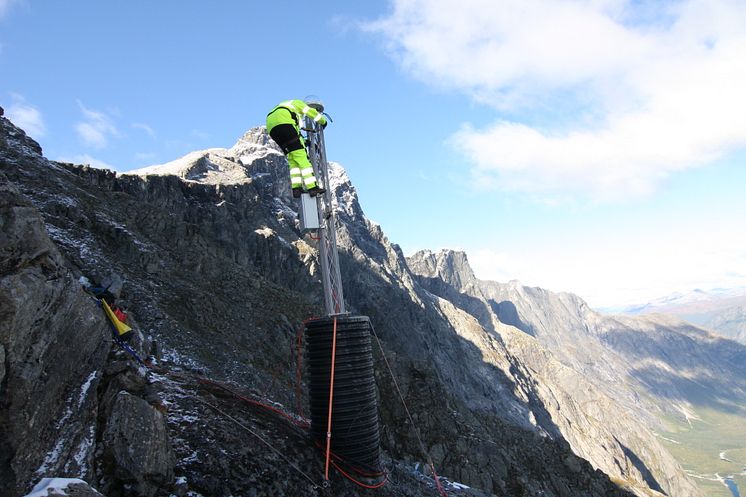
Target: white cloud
x: 26, y: 116
x: 148, y: 129
x: 624, y: 267
x: 87, y: 159
x: 496, y: 48
x: 625, y: 97
x: 96, y: 129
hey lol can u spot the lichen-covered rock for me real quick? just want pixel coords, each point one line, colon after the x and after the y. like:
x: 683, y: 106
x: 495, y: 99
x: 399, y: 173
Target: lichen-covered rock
x: 137, y: 447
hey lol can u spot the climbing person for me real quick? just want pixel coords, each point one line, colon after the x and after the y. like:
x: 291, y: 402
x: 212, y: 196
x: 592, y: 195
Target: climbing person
x: 283, y: 125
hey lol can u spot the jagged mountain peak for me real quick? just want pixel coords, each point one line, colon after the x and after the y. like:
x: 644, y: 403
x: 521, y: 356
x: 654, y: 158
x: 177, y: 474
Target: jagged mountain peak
x: 219, y: 165
x: 225, y: 166
x: 210, y: 166
x: 17, y: 141
x: 452, y: 266
x: 345, y: 195
x: 254, y: 143
x: 339, y: 178
x: 254, y: 156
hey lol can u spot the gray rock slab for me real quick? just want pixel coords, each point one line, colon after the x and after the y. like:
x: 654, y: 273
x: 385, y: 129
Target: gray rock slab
x: 137, y: 442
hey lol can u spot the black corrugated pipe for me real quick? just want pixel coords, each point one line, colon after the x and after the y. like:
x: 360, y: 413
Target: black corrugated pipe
x: 355, y: 438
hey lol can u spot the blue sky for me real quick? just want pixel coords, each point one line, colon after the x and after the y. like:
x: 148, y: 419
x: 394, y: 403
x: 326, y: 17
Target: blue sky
x: 595, y: 147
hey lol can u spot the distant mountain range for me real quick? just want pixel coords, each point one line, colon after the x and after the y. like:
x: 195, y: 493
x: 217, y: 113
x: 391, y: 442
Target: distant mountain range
x: 722, y: 310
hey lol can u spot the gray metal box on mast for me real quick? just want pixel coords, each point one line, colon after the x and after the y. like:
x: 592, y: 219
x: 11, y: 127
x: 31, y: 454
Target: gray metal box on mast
x: 309, y: 213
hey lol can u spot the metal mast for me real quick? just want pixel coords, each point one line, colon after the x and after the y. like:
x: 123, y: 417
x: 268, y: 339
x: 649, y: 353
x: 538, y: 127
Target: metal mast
x: 330, y: 276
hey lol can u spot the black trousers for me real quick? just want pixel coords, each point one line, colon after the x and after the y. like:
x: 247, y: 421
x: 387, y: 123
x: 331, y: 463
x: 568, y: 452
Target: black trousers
x: 285, y: 135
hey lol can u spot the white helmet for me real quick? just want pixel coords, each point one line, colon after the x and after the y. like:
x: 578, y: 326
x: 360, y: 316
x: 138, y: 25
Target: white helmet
x: 314, y: 102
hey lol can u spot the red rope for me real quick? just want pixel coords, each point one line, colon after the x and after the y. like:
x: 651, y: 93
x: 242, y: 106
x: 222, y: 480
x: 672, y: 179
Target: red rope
x: 331, y: 396
x: 356, y: 482
x: 303, y: 423
x: 331, y: 457
x: 361, y: 472
x: 335, y: 298
x: 441, y: 490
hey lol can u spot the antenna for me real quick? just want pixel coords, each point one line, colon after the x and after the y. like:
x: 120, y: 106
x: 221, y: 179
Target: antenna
x: 330, y: 274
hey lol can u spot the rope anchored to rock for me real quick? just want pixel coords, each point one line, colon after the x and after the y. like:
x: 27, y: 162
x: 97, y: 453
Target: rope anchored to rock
x: 430, y: 463
x: 261, y: 439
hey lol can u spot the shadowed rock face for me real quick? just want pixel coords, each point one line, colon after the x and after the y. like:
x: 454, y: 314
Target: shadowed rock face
x: 217, y: 281
x: 650, y: 365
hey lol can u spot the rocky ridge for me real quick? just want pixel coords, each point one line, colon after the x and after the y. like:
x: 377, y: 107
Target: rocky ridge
x: 217, y: 279
x: 653, y: 365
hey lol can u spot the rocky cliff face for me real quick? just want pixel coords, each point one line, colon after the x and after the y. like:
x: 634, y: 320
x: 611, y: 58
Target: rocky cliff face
x: 53, y: 341
x: 217, y: 280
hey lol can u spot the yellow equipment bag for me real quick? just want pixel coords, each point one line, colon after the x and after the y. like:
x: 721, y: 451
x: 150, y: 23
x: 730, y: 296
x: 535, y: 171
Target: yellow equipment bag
x: 122, y: 329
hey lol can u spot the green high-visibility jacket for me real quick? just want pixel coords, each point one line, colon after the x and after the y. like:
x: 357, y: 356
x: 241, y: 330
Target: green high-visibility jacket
x: 299, y: 109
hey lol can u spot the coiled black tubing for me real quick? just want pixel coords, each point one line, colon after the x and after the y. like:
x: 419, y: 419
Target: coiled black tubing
x: 355, y: 439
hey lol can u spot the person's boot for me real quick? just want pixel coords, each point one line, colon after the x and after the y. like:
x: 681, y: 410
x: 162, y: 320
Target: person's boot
x: 316, y: 191
x: 297, y: 192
